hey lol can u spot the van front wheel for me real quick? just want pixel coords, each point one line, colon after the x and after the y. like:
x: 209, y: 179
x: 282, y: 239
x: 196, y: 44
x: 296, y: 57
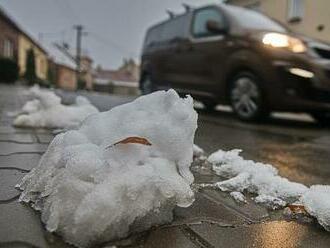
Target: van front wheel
x: 246, y: 97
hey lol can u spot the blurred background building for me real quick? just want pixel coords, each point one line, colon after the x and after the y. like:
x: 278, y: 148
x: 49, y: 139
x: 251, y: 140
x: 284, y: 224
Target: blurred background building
x: 308, y: 17
x: 55, y: 63
x: 51, y: 64
x: 124, y: 80
x: 15, y: 44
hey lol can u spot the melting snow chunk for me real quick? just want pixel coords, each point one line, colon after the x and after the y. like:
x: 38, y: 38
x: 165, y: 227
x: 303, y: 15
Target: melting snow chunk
x: 317, y: 203
x: 238, y: 197
x: 46, y: 110
x: 271, y: 189
x: 92, y: 188
x: 258, y: 178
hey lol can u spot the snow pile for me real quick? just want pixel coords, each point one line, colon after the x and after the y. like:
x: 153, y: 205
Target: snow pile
x: 46, y: 110
x: 91, y: 188
x: 317, y: 203
x: 257, y: 178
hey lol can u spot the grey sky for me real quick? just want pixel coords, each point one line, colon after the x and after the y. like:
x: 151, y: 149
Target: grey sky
x: 116, y: 27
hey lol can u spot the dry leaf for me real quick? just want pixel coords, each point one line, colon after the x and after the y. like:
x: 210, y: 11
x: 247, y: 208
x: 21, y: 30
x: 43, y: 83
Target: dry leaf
x: 297, y: 209
x: 133, y: 140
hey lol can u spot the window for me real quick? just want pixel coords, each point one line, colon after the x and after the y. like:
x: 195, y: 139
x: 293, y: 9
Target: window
x: 295, y: 10
x: 175, y: 28
x: 178, y: 27
x: 202, y: 17
x: 8, y: 49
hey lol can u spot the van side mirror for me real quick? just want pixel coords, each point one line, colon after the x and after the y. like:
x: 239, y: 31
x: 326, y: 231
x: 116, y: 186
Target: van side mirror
x: 215, y: 27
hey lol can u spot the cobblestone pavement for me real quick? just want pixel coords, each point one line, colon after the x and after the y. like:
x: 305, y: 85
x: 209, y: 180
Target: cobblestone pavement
x: 214, y: 220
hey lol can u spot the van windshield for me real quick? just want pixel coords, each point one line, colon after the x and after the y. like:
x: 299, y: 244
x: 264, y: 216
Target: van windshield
x: 252, y: 19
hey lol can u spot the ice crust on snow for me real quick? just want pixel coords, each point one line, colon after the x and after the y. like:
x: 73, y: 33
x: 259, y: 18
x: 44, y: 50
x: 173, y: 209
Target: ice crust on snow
x: 258, y: 178
x: 89, y: 192
x: 46, y: 111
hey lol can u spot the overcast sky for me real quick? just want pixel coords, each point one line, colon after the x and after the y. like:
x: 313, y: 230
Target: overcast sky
x: 116, y: 28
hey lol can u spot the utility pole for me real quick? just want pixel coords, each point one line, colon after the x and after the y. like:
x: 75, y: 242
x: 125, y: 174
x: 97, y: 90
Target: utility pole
x: 79, y: 29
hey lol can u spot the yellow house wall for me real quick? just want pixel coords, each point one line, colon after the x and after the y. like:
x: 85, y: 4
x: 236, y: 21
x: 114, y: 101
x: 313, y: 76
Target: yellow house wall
x: 24, y: 44
x: 316, y: 12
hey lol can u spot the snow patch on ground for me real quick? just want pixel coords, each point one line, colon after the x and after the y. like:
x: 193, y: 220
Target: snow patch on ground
x: 270, y: 189
x: 89, y: 190
x: 46, y: 111
x: 253, y: 177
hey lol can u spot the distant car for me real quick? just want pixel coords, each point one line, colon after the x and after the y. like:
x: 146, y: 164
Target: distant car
x: 231, y: 55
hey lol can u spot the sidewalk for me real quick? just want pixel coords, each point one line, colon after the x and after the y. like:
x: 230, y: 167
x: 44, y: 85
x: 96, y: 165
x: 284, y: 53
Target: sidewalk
x: 214, y: 220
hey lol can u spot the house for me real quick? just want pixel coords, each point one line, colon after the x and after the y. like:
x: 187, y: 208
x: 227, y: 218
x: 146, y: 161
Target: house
x: 51, y: 60
x: 15, y: 43
x: 309, y: 17
x: 25, y: 43
x: 123, y: 81
x: 62, y: 67
x: 8, y: 37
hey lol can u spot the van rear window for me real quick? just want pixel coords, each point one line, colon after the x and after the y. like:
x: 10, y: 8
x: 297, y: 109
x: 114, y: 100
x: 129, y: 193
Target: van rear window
x: 177, y: 27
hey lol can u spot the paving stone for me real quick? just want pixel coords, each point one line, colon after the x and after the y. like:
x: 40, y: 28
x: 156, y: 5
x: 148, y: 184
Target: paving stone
x: 17, y: 137
x: 20, y: 226
x: 19, y: 223
x: 277, y: 234
x: 43, y: 130
x: 7, y: 148
x: 204, y: 209
x: 8, y: 180
x: 7, y: 129
x: 250, y: 211
x: 21, y: 161
x: 45, y: 138
x: 6, y: 121
x: 16, y: 244
x: 168, y: 238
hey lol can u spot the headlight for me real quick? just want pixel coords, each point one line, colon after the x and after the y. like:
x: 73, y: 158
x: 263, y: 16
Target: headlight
x: 278, y: 40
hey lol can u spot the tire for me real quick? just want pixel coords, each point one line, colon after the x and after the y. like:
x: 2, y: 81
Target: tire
x: 322, y: 117
x: 147, y: 86
x: 247, y: 98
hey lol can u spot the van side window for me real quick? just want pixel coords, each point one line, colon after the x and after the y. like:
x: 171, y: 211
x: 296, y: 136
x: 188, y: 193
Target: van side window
x: 174, y: 29
x: 201, y: 18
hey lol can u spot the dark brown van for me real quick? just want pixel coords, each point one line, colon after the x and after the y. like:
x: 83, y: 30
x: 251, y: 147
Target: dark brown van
x: 231, y: 55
